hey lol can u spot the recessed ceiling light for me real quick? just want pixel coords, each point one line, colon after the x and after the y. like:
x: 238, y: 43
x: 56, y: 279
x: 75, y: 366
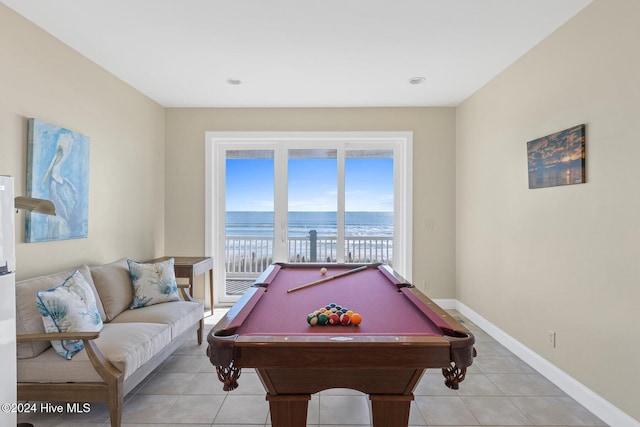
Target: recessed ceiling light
x: 416, y: 80
x: 234, y: 81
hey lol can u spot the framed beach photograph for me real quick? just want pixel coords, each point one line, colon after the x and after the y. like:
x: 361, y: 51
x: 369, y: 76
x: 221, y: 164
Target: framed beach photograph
x: 57, y: 170
x: 557, y: 159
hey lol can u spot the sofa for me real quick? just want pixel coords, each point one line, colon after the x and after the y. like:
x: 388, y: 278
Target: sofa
x: 111, y: 361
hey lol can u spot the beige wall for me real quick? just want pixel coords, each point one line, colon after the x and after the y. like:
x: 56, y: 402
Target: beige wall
x: 434, y: 176
x: 45, y: 79
x: 565, y: 258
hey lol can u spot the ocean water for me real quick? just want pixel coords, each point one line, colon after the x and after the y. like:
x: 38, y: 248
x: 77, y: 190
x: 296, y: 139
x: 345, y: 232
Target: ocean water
x: 300, y: 223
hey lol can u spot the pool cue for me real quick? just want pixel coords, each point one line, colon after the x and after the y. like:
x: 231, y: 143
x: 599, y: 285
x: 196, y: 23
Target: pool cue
x: 326, y: 279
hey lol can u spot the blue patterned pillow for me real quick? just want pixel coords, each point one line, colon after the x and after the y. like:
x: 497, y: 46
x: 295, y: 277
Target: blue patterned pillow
x: 153, y: 283
x: 70, y: 307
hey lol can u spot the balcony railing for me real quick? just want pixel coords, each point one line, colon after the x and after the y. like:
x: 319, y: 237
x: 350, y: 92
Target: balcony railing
x: 248, y: 256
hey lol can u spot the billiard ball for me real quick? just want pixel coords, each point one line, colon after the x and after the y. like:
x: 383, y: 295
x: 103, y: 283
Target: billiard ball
x: 345, y: 319
x: 312, y: 319
x: 323, y: 271
x: 334, y: 319
x: 356, y: 319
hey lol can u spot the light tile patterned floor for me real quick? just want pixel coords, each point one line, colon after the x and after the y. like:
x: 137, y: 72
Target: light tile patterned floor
x: 499, y: 390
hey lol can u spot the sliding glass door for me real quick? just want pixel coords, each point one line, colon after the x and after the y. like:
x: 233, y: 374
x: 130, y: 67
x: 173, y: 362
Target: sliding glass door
x: 312, y: 204
x: 249, y: 216
x: 369, y: 205
x: 304, y: 199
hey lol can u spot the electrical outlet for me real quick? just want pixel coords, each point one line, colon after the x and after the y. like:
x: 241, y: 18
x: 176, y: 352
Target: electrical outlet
x: 551, y: 338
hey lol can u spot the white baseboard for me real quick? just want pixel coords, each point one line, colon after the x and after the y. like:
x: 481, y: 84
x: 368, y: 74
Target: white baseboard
x: 447, y: 304
x: 600, y: 407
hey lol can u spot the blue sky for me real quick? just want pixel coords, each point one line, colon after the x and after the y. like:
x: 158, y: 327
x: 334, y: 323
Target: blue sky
x: 312, y: 185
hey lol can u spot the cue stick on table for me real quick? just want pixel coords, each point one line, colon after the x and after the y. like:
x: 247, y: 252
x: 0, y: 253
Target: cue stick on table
x: 326, y: 279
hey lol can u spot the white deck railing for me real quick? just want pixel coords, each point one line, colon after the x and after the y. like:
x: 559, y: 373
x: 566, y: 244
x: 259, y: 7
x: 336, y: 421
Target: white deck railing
x: 248, y: 256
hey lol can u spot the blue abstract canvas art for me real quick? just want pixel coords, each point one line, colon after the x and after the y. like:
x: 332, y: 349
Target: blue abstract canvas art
x: 57, y: 170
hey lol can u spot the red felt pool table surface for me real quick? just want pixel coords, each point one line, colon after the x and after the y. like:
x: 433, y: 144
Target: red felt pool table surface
x: 386, y: 305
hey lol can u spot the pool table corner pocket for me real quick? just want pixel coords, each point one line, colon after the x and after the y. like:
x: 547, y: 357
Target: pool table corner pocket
x: 223, y: 355
x: 462, y: 354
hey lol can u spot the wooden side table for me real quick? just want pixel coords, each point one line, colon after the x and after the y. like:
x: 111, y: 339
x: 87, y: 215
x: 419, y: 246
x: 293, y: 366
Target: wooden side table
x: 191, y: 267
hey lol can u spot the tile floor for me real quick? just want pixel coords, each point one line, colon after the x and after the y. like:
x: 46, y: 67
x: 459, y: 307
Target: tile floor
x: 499, y: 390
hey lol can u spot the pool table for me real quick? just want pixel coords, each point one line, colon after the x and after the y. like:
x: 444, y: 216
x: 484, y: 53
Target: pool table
x: 402, y: 333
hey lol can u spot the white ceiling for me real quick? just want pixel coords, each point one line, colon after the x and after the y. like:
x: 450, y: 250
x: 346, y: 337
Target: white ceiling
x: 301, y: 53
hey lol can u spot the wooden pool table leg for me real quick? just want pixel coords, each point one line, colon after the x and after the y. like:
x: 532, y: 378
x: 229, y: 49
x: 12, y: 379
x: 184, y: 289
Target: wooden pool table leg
x: 390, y: 410
x: 289, y: 410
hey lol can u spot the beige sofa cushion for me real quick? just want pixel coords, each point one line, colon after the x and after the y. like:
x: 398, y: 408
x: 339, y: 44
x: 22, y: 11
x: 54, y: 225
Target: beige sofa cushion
x: 179, y: 315
x: 113, y: 283
x: 28, y: 318
x: 126, y: 346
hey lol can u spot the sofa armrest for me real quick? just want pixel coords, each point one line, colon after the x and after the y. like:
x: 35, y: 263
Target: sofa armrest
x: 57, y: 336
x: 109, y: 373
x: 184, y: 290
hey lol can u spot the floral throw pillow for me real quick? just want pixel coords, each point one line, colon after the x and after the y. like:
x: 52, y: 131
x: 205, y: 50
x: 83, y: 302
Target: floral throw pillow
x: 69, y: 307
x: 153, y: 283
